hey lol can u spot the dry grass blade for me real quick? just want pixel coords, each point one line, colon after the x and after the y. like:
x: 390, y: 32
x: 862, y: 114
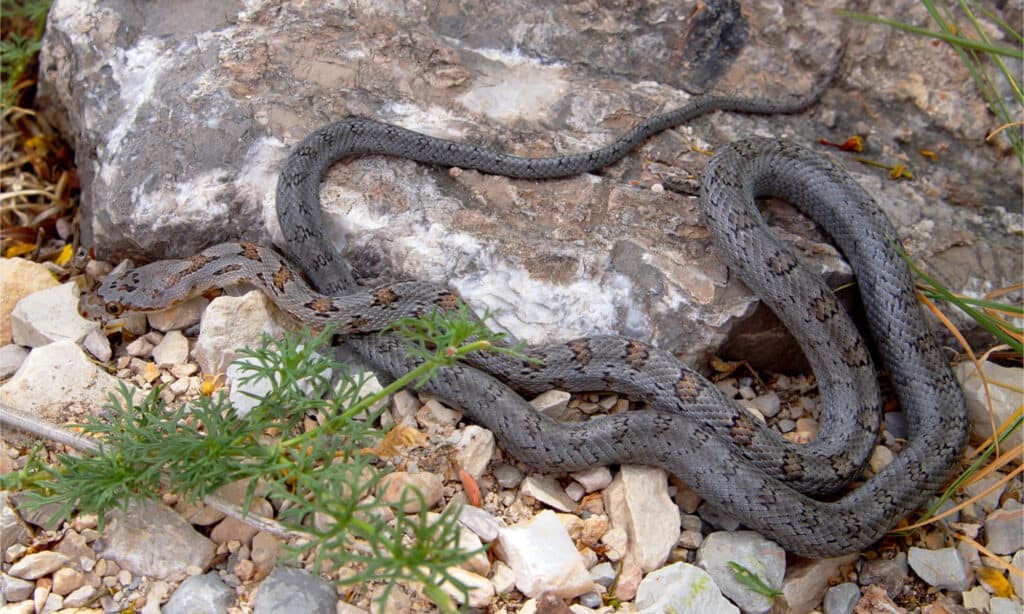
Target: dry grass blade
x: 995, y: 560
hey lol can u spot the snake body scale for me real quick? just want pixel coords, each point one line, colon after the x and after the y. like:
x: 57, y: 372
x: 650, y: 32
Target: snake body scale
x: 689, y: 428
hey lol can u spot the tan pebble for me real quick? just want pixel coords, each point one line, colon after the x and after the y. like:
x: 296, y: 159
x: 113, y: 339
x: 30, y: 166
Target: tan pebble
x: 67, y: 580
x: 40, y: 594
x: 799, y: 437
x: 124, y: 577
x: 809, y: 425
x: 245, y: 570
x: 593, y: 528
x: 193, y: 570
x: 84, y: 521
x: 231, y: 529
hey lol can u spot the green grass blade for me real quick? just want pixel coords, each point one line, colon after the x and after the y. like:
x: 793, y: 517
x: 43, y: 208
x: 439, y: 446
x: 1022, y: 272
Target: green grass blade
x: 944, y: 36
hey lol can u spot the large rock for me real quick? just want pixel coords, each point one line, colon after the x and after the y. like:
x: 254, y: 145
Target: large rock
x: 151, y: 539
x: 59, y: 382
x: 188, y: 120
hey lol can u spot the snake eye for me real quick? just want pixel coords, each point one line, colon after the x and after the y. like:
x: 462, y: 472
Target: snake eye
x: 115, y: 309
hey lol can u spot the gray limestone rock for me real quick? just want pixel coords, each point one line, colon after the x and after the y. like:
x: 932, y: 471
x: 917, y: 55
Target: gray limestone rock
x: 205, y: 594
x: 288, y: 589
x: 151, y: 539
x: 187, y: 120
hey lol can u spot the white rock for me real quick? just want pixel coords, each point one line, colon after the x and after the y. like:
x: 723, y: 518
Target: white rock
x: 617, y: 541
x: 11, y: 357
x: 976, y: 598
x: 50, y: 315
x: 172, y: 350
x: 763, y: 557
x: 681, y: 588
x: 593, y: 479
x: 235, y: 322
x: 1002, y: 605
x: 1005, y: 399
x: 16, y: 589
x: 1004, y: 530
x: 603, y: 574
x: 404, y: 407
x: 543, y: 557
x: 637, y: 500
x: 767, y: 404
x: 470, y: 542
x: 97, y: 344
x: 552, y: 402
x: 481, y: 590
x: 1016, y: 581
x: 247, y: 394
x: 941, y: 568
x: 502, y: 577
x: 480, y: 522
x: 548, y: 491
x: 474, y: 450
x: 58, y: 380
x: 180, y: 316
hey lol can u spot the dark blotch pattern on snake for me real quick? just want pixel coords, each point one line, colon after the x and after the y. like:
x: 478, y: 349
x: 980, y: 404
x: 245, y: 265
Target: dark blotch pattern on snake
x: 690, y: 428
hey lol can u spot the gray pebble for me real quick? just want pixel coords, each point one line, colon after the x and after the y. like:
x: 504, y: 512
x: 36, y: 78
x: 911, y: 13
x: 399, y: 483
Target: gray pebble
x: 205, y: 594
x: 507, y: 475
x: 890, y: 573
x: 288, y: 590
x: 940, y: 568
x: 841, y: 598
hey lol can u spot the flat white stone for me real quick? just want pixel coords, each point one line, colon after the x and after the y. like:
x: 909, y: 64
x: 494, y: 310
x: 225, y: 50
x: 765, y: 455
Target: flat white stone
x: 763, y: 557
x: 637, y: 500
x: 50, y: 315
x: 548, y: 491
x: 681, y: 588
x: 543, y: 557
x: 97, y: 344
x: 941, y: 568
x: 552, y: 402
x: 180, y: 316
x: 593, y: 479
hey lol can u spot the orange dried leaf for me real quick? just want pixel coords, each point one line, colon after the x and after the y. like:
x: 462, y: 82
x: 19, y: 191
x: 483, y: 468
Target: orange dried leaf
x: 473, y: 496
x: 19, y: 249
x: 399, y: 437
x: 996, y: 581
x: 928, y: 153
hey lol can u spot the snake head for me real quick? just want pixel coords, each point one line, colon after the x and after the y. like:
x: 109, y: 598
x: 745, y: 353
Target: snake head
x: 99, y: 304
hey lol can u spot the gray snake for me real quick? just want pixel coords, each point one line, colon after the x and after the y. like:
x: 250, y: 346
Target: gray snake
x: 689, y: 428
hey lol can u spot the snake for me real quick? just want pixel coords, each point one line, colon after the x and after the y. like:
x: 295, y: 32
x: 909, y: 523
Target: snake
x: 686, y: 426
